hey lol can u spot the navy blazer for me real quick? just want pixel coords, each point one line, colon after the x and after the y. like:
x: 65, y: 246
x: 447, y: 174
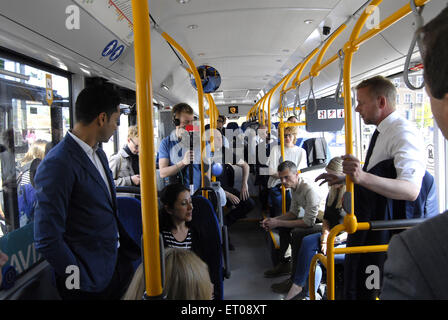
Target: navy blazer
x: 370, y: 206
x: 76, y: 220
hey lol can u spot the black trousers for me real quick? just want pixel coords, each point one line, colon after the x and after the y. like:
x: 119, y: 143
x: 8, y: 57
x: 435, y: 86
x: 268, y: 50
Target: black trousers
x: 241, y: 209
x: 294, y: 238
x: 118, y: 285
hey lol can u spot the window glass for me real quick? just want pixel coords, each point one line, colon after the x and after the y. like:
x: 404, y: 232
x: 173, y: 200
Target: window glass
x: 32, y: 120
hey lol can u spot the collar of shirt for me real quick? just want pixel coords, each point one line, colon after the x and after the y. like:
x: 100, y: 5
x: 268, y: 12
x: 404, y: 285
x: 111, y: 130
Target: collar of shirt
x: 387, y: 121
x: 87, y: 148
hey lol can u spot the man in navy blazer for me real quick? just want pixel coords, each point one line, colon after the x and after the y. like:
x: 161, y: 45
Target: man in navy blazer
x: 76, y: 224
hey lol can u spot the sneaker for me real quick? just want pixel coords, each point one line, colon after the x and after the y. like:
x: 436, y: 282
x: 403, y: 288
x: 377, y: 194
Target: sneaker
x: 282, y: 287
x: 281, y: 269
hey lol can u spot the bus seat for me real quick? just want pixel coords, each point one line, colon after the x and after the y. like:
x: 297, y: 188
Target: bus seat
x: 299, y: 142
x: 209, y: 247
x: 426, y: 205
x: 317, y: 151
x: 232, y: 126
x: 130, y: 215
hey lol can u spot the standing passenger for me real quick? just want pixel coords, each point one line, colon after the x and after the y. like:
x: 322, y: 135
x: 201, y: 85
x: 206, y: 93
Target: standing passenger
x: 76, y: 224
x: 393, y: 169
x: 174, y: 153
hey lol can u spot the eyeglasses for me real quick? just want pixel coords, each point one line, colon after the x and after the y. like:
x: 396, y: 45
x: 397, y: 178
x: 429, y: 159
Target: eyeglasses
x: 186, y: 122
x: 219, y: 120
x: 288, y: 135
x: 135, y: 144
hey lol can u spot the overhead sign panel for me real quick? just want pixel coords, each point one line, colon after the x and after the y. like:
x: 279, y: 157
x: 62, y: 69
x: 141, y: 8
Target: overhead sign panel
x: 115, y: 15
x: 328, y: 116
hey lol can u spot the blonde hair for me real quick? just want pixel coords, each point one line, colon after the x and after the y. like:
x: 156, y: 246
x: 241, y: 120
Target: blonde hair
x: 186, y: 278
x: 136, y: 288
x: 36, y: 150
x: 132, y: 132
x: 292, y: 131
x: 338, y: 191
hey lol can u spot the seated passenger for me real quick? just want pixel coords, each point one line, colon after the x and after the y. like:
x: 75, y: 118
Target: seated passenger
x: 292, y: 153
x: 304, y: 195
x: 124, y: 164
x: 292, y: 119
x: 175, y: 216
x: 186, y: 278
x: 220, y: 123
x: 239, y: 201
x: 316, y: 242
x: 260, y: 149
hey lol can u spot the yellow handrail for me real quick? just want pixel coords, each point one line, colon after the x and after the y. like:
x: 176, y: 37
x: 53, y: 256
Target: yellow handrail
x: 150, y: 222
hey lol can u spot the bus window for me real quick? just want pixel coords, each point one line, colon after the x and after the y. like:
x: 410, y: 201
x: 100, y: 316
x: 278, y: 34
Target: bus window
x: 31, y: 122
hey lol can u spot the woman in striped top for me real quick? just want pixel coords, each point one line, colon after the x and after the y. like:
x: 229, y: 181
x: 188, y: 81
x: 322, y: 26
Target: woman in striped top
x: 175, y: 217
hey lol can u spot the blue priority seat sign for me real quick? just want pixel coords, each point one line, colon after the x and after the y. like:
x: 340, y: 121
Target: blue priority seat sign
x: 111, y: 46
x: 117, y: 53
x: 113, y: 50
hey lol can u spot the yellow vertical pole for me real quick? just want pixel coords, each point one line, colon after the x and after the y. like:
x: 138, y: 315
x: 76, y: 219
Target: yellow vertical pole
x: 151, y: 245
x: 350, y: 221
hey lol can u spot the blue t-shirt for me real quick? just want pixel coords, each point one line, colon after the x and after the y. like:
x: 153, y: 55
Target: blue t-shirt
x: 171, y: 148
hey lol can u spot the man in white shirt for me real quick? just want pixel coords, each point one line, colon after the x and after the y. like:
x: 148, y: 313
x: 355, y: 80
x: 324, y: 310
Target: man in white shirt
x: 398, y: 139
x: 396, y: 146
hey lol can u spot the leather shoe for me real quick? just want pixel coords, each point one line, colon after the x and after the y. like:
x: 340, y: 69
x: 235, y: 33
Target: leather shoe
x: 282, y: 287
x: 281, y: 269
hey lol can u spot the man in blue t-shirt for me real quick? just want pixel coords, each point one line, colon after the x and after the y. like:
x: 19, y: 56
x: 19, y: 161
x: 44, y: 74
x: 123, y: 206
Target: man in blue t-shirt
x: 174, y: 150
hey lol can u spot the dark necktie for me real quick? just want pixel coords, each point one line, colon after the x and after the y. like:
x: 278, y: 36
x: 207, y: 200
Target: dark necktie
x: 370, y: 150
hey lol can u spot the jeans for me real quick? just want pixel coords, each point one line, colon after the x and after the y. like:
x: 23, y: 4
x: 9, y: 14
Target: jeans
x: 275, y: 200
x: 310, y: 247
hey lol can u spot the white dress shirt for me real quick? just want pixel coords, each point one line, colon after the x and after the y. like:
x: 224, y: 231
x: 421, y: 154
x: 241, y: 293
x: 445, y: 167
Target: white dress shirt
x: 91, y: 153
x: 400, y: 140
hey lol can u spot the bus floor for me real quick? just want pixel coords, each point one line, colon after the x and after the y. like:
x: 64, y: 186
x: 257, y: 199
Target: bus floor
x: 249, y: 261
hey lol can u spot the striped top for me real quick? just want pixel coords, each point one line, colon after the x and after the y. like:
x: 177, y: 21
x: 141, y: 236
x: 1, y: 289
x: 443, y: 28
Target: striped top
x: 170, y: 242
